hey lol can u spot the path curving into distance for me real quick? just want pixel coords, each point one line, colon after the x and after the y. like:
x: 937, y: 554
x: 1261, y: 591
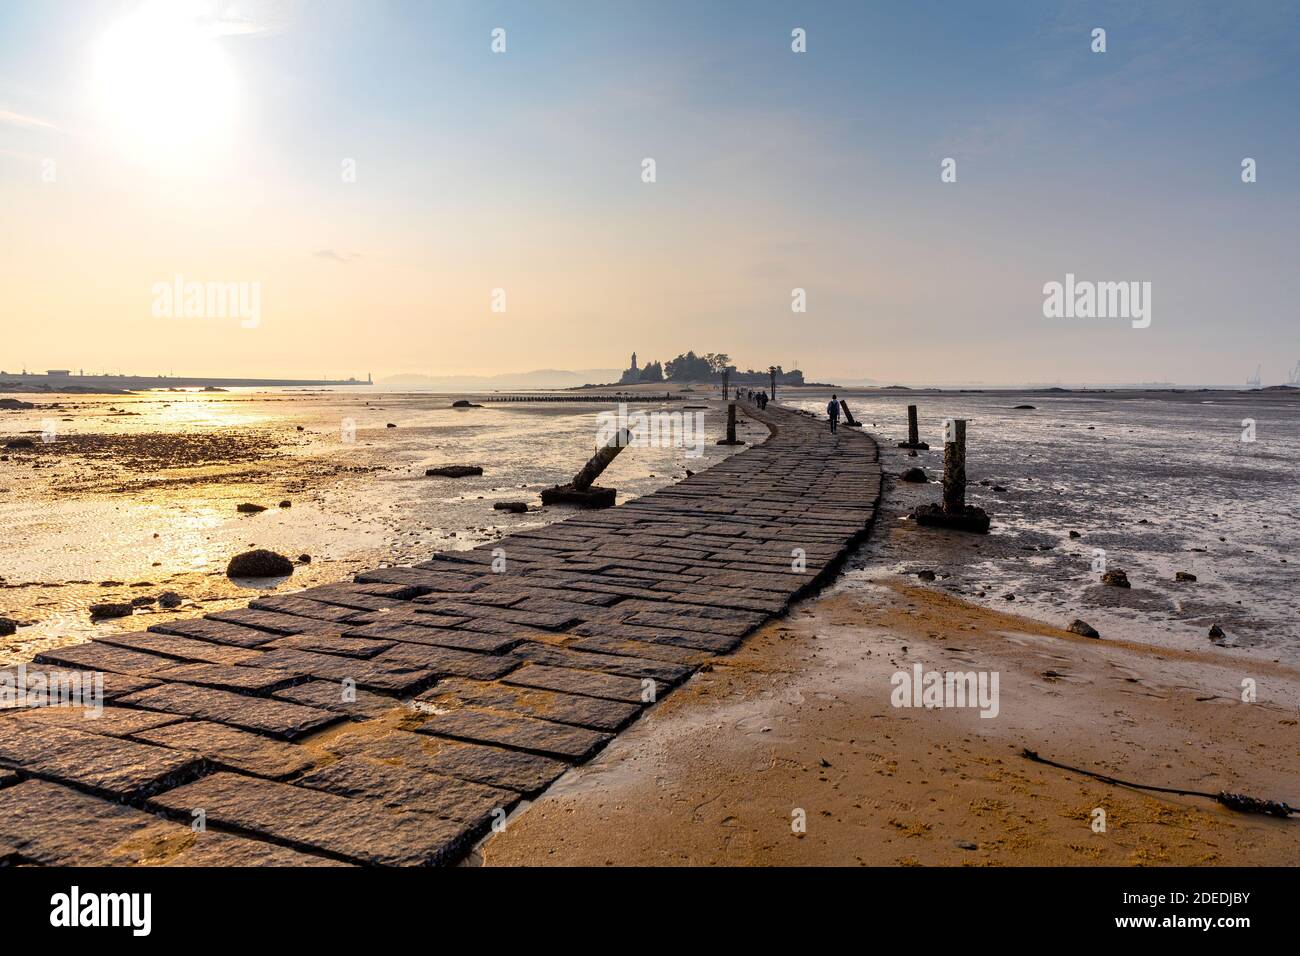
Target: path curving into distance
x: 284, y: 733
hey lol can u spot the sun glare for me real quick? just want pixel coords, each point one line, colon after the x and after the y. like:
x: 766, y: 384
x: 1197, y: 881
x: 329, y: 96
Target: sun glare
x: 163, y: 85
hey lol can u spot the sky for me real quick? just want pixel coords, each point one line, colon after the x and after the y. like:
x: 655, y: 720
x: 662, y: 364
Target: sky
x: 385, y: 193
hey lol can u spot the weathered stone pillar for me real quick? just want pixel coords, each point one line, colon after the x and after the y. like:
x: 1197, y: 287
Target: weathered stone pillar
x: 600, y: 461
x: 913, y: 436
x: 954, y: 468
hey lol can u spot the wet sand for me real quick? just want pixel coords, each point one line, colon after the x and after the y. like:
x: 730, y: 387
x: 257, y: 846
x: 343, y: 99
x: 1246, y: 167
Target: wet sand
x: 800, y: 718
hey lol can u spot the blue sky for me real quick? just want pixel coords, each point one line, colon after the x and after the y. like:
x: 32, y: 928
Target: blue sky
x: 775, y: 170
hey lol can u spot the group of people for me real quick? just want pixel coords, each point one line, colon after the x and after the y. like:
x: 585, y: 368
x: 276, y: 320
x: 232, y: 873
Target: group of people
x: 760, y: 399
x: 757, y: 398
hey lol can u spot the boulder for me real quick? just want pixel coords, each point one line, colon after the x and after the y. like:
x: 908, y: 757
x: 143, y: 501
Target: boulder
x: 249, y: 508
x: 516, y: 507
x: 463, y: 403
x: 259, y: 563
x: 1116, y: 579
x: 286, y: 503
x: 1216, y: 633
x: 1075, y: 534
x: 7, y: 626
x: 916, y: 475
x: 14, y: 404
x: 926, y: 575
x: 454, y: 471
x: 1184, y: 576
x: 170, y: 599
x: 20, y: 443
x: 1082, y: 627
x: 111, y: 609
x: 1025, y: 407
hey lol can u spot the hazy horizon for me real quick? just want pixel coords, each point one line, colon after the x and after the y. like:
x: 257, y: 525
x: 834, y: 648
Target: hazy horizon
x: 376, y: 172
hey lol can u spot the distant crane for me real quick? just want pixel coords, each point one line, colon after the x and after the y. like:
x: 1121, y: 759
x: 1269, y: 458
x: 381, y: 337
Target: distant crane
x: 1254, y: 381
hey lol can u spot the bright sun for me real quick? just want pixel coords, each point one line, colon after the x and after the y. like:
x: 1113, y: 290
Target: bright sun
x: 163, y: 84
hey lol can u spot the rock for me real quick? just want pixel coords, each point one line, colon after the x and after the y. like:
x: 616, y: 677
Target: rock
x: 966, y: 844
x: 454, y: 471
x: 170, y: 599
x: 286, y: 503
x: 1184, y: 576
x: 143, y: 601
x: 15, y: 404
x: 926, y: 575
x: 249, y: 508
x: 299, y: 428
x: 1082, y: 627
x: 111, y: 609
x: 1116, y: 579
x: 999, y: 488
x: 7, y: 626
x: 304, y: 558
x: 463, y: 403
x: 915, y: 475
x: 390, y: 425
x: 259, y: 563
x: 1216, y: 633
x: 1025, y: 407
x: 1075, y: 534
x: 20, y: 443
x: 516, y: 507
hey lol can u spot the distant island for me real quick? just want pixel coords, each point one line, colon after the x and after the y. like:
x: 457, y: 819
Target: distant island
x: 711, y: 367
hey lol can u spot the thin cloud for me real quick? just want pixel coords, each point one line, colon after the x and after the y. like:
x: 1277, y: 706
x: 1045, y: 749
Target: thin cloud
x: 28, y: 122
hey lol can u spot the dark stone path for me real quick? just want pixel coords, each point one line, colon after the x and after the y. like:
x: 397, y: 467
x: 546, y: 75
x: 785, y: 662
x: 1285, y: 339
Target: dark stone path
x: 392, y: 720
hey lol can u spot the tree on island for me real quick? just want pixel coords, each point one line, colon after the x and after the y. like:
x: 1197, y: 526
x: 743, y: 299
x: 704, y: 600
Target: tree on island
x: 696, y: 368
x: 652, y: 372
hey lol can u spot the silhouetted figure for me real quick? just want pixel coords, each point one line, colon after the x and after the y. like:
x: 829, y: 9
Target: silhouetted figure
x: 833, y: 410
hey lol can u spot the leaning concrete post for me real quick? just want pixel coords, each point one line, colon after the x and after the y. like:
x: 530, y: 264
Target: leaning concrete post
x: 848, y: 415
x: 954, y: 468
x: 600, y: 461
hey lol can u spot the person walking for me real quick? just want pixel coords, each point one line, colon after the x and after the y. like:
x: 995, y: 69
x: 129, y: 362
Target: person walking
x: 833, y: 410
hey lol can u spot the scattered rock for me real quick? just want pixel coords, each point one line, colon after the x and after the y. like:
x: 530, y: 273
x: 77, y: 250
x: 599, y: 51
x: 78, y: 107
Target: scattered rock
x: 455, y: 471
x: 966, y: 844
x: 390, y: 425
x: 299, y: 428
x: 143, y: 600
x: 926, y: 575
x: 286, y: 503
x: 1216, y: 633
x: 7, y: 626
x: 20, y: 443
x: 259, y: 563
x: 915, y: 475
x: 249, y: 508
x: 463, y: 403
x: 1184, y: 576
x: 998, y: 488
x: 1075, y: 534
x: 170, y: 599
x: 15, y: 404
x: 111, y: 609
x: 1116, y: 579
x: 515, y: 507
x: 1025, y: 407
x: 1082, y: 627
x: 1009, y: 596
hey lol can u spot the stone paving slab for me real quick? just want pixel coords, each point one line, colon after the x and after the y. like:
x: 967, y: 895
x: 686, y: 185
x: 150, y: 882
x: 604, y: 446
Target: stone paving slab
x: 337, y: 697
x: 406, y: 788
x: 592, y: 712
x: 180, y: 648
x: 518, y: 733
x: 218, y: 632
x: 108, y: 766
x: 508, y: 769
x: 273, y: 621
x: 328, y: 644
x: 357, y: 831
x: 38, y: 680
x: 296, y: 605
x: 110, y: 721
x: 391, y: 677
x: 275, y: 718
x: 428, y: 629
x: 105, y: 657
x: 245, y: 680
x: 445, y: 662
x: 587, y: 683
x: 229, y: 749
